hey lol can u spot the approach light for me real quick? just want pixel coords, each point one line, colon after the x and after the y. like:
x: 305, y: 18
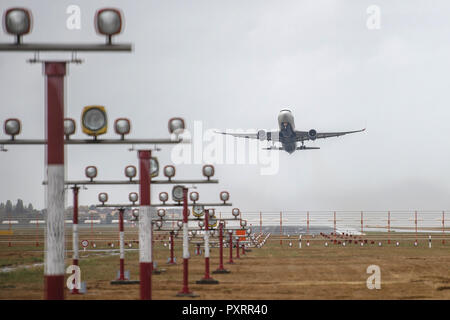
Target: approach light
x: 91, y: 172
x: 211, y: 213
x: 212, y: 221
x: 235, y: 212
x: 161, y: 213
x: 133, y: 197
x: 194, y: 233
x: 163, y: 197
x: 69, y: 127
x: 154, y: 167
x: 194, y: 196
x: 224, y: 196
x: 94, y: 121
x: 248, y: 231
x: 212, y: 232
x: 135, y: 213
x: 177, y: 193
x: 243, y: 223
x: 158, y: 224
x: 176, y: 125
x: 17, y: 21
x: 201, y: 224
x: 130, y: 172
x: 12, y: 127
x: 230, y: 232
x: 208, y: 171
x: 169, y: 171
x: 180, y: 224
x: 108, y: 22
x: 103, y: 197
x: 122, y: 126
x: 198, y: 211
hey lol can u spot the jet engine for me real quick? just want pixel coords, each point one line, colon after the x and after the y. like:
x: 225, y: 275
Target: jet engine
x: 312, y: 134
x: 262, y: 135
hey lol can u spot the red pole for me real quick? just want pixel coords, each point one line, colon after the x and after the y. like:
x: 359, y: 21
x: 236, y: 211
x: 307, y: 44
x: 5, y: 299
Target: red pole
x: 389, y: 227
x: 54, y: 246
x: 185, y: 289
x: 281, y: 228
x: 122, y: 248
x: 75, y: 250
x: 243, y: 248
x: 145, y: 227
x: 237, y: 247
x: 221, y: 269
x: 207, y: 278
x: 231, y: 248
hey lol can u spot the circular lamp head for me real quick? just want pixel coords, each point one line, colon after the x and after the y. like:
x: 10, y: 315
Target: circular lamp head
x: 133, y: 197
x: 235, y: 212
x: 212, y: 222
x: 176, y: 125
x: 230, y: 232
x: 163, y: 197
x: 69, y: 127
x: 212, y: 232
x: 91, y: 172
x: 198, y: 211
x: 180, y: 224
x: 194, y: 196
x: 208, y: 171
x: 224, y: 196
x: 161, y: 213
x: 108, y: 22
x: 169, y: 171
x: 244, y: 223
x: 122, y: 126
x: 201, y: 223
x: 103, y: 197
x: 130, y: 172
x: 177, y: 193
x: 135, y: 213
x: 158, y: 224
x: 17, y: 21
x: 154, y: 167
x: 194, y: 232
x: 12, y: 127
x: 94, y: 121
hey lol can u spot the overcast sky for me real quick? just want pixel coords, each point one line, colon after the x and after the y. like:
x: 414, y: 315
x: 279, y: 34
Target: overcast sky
x: 235, y: 65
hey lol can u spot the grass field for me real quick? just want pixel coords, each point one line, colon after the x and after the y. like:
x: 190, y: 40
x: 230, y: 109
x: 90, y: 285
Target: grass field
x: 272, y: 272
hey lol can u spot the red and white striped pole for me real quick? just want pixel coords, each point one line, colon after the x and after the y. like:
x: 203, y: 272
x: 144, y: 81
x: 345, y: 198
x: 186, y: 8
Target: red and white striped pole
x: 207, y: 278
x: 54, y: 245
x: 221, y: 269
x: 172, y: 260
x: 122, y: 246
x: 145, y: 227
x: 185, y: 289
x: 75, y: 238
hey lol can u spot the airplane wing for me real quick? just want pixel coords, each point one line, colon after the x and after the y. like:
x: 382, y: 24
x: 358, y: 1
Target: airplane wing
x: 261, y: 135
x: 306, y: 135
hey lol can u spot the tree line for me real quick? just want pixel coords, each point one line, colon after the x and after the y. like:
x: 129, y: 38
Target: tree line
x: 9, y: 209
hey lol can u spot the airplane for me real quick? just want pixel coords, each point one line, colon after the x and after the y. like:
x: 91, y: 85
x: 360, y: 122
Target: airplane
x: 287, y: 135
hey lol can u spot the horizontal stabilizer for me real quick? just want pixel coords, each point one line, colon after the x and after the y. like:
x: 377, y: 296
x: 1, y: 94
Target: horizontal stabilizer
x: 307, y: 148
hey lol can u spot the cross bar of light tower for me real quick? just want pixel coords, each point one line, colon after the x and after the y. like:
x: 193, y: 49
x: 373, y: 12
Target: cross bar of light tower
x: 92, y: 142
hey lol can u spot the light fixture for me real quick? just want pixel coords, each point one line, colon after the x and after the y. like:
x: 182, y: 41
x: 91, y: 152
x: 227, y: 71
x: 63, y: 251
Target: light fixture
x: 12, y: 127
x: 91, y: 172
x: 69, y: 127
x: 180, y: 224
x: 163, y: 197
x: 94, y: 120
x: 194, y: 233
x: 161, y: 213
x: 154, y: 167
x: 224, y: 196
x: 122, y: 126
x: 130, y: 172
x: 235, y: 212
x: 212, y: 221
x: 194, y: 196
x: 201, y: 224
x: 208, y: 171
x: 133, y: 197
x: 177, y: 193
x: 230, y: 232
x: 176, y: 125
x: 108, y: 22
x: 243, y: 223
x: 103, y: 197
x: 158, y: 224
x: 169, y: 171
x: 248, y: 231
x: 135, y: 213
x: 198, y: 211
x: 17, y: 21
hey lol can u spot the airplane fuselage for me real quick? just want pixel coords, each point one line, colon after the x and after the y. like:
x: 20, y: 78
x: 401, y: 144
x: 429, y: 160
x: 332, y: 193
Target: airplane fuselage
x: 287, y: 131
